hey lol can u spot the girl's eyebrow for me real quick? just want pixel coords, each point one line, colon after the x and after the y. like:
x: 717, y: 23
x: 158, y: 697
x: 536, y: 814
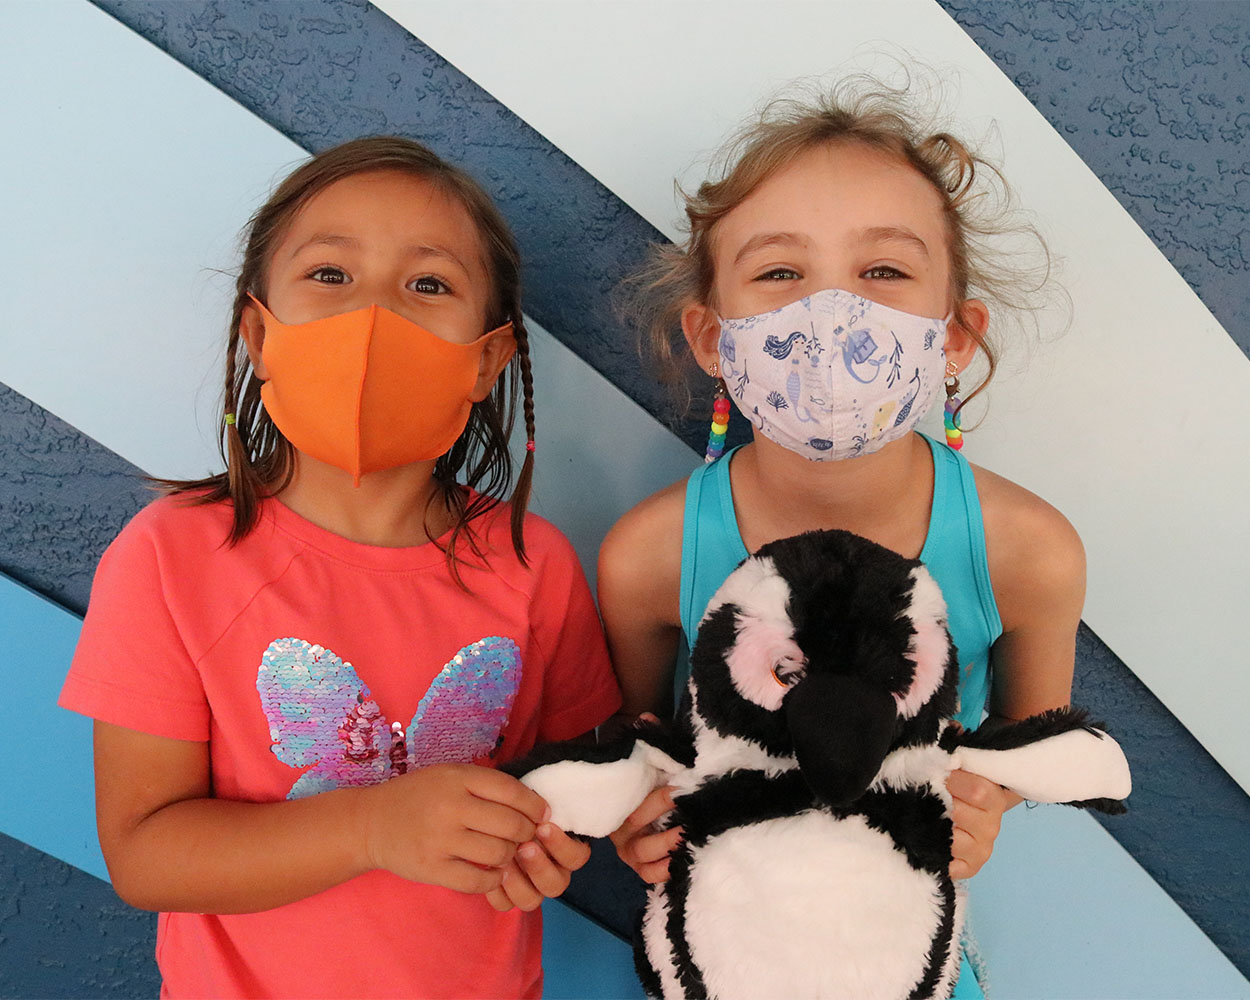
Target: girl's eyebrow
x: 351, y: 243
x: 428, y: 250
x: 764, y: 241
x: 890, y: 234
x: 326, y: 239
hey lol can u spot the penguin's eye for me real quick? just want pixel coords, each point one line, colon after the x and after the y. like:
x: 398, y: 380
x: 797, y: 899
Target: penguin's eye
x: 788, y: 671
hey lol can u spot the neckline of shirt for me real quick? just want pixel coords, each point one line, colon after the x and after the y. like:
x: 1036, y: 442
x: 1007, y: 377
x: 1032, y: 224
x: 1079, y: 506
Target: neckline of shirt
x: 359, y: 554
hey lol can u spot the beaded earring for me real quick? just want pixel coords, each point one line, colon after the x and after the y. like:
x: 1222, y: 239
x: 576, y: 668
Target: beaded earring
x: 720, y: 418
x: 954, y: 436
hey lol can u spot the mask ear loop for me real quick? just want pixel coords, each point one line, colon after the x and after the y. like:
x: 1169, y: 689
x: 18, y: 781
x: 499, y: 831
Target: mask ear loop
x: 720, y: 418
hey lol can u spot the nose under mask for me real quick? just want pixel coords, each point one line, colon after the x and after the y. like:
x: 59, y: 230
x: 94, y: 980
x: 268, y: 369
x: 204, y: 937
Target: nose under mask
x: 369, y: 389
x: 833, y: 375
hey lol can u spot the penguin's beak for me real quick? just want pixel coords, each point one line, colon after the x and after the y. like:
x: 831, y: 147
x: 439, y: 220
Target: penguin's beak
x: 841, y: 730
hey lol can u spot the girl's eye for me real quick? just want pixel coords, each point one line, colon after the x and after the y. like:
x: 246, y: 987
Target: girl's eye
x: 883, y: 272
x: 329, y: 275
x: 428, y: 285
x: 779, y: 274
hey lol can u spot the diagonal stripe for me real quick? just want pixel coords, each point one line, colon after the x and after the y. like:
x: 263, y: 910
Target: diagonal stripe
x: 1139, y: 391
x: 1188, y: 822
x: 75, y: 938
x: 1153, y: 99
x: 576, y: 238
x: 63, y: 498
x: 222, y: 49
x: 49, y: 802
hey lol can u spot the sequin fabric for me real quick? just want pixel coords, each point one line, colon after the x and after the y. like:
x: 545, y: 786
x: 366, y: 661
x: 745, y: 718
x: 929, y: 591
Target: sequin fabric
x: 322, y: 717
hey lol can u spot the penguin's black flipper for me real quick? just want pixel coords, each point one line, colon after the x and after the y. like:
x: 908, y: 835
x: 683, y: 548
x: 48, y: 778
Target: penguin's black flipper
x: 1056, y: 756
x: 592, y: 788
x: 1026, y: 731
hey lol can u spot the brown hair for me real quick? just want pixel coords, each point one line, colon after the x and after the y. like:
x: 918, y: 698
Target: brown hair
x: 976, y: 203
x: 260, y: 460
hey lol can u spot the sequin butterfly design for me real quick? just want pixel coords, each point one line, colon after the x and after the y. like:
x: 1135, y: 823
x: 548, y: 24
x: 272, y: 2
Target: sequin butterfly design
x: 321, y: 716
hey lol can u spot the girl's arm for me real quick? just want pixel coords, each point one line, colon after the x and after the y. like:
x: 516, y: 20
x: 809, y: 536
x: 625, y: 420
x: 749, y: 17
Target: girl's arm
x: 639, y: 580
x: 1037, y: 565
x: 170, y: 846
x: 639, y: 583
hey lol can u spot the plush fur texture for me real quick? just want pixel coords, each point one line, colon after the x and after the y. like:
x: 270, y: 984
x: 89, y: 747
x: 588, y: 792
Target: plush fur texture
x: 810, y: 761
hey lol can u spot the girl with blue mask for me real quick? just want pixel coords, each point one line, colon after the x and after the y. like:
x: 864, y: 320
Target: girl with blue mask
x: 829, y: 288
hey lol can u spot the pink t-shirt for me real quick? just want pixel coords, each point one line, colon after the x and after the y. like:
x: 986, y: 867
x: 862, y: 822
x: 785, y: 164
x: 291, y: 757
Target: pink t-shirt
x: 292, y: 654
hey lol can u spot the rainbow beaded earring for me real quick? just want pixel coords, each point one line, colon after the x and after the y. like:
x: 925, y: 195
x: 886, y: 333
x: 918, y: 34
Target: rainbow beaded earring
x: 954, y: 436
x: 720, y: 418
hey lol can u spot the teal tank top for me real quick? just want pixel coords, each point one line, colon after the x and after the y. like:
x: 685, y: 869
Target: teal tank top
x: 954, y: 552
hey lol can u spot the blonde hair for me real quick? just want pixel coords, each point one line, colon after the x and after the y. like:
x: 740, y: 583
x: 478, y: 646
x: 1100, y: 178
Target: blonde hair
x: 977, y: 205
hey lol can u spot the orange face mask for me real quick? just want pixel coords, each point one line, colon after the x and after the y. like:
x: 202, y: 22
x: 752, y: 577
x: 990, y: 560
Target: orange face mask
x: 368, y: 390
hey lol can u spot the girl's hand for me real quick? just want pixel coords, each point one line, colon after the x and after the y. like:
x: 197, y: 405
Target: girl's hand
x: 454, y: 825
x: 540, y: 870
x: 977, y: 812
x: 640, y: 846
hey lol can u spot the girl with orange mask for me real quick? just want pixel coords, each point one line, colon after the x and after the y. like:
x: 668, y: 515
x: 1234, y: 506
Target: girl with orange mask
x: 299, y: 666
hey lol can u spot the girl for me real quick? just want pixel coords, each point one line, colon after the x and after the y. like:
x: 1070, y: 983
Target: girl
x: 828, y: 289
x: 266, y: 647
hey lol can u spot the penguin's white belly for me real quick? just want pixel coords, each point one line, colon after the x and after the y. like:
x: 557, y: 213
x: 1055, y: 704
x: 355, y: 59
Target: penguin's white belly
x: 768, y: 902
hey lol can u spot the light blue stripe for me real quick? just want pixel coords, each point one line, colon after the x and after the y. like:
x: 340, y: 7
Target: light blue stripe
x: 47, y: 792
x: 1208, y: 857
x: 582, y: 961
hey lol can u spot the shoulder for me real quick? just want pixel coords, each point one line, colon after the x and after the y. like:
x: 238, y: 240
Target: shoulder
x: 542, y: 538
x: 1035, y: 555
x: 640, y: 559
x: 649, y: 531
x: 551, y: 565
x: 175, y: 522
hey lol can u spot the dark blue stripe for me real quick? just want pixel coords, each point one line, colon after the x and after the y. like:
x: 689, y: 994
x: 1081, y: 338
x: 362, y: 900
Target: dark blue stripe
x: 325, y: 72
x: 1188, y: 822
x: 72, y: 937
x: 1153, y: 96
x: 63, y: 497
x: 578, y: 241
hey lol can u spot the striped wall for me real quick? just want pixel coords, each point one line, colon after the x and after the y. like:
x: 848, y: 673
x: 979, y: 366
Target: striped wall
x: 152, y: 129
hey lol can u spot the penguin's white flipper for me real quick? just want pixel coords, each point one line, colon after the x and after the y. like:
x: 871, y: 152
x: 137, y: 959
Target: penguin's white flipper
x: 1079, y: 766
x: 592, y: 797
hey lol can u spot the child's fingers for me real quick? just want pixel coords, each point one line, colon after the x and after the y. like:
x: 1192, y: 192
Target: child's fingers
x: 497, y: 820
x: 518, y: 888
x: 966, y: 855
x: 499, y: 899
x: 482, y: 849
x: 465, y: 877
x: 539, y: 877
x: 495, y: 786
x: 977, y: 807
x: 970, y: 788
x: 567, y: 852
x: 648, y: 854
x: 657, y: 804
x: 655, y: 873
x: 654, y: 847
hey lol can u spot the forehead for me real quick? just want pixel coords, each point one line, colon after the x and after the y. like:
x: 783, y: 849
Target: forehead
x: 832, y: 192
x: 387, y: 207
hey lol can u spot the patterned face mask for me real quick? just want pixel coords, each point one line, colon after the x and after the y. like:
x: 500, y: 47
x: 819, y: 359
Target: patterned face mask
x: 833, y: 375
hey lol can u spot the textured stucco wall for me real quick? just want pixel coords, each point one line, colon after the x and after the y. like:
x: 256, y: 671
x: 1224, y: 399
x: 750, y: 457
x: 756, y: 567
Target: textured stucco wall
x: 64, y: 933
x: 1141, y: 91
x: 1155, y: 97
x: 63, y: 498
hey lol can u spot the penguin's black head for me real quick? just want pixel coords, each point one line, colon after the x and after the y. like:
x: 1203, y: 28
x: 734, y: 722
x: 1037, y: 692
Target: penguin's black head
x: 829, y: 649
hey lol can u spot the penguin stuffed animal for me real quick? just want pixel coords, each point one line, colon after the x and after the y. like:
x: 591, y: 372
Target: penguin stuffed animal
x: 809, y: 762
